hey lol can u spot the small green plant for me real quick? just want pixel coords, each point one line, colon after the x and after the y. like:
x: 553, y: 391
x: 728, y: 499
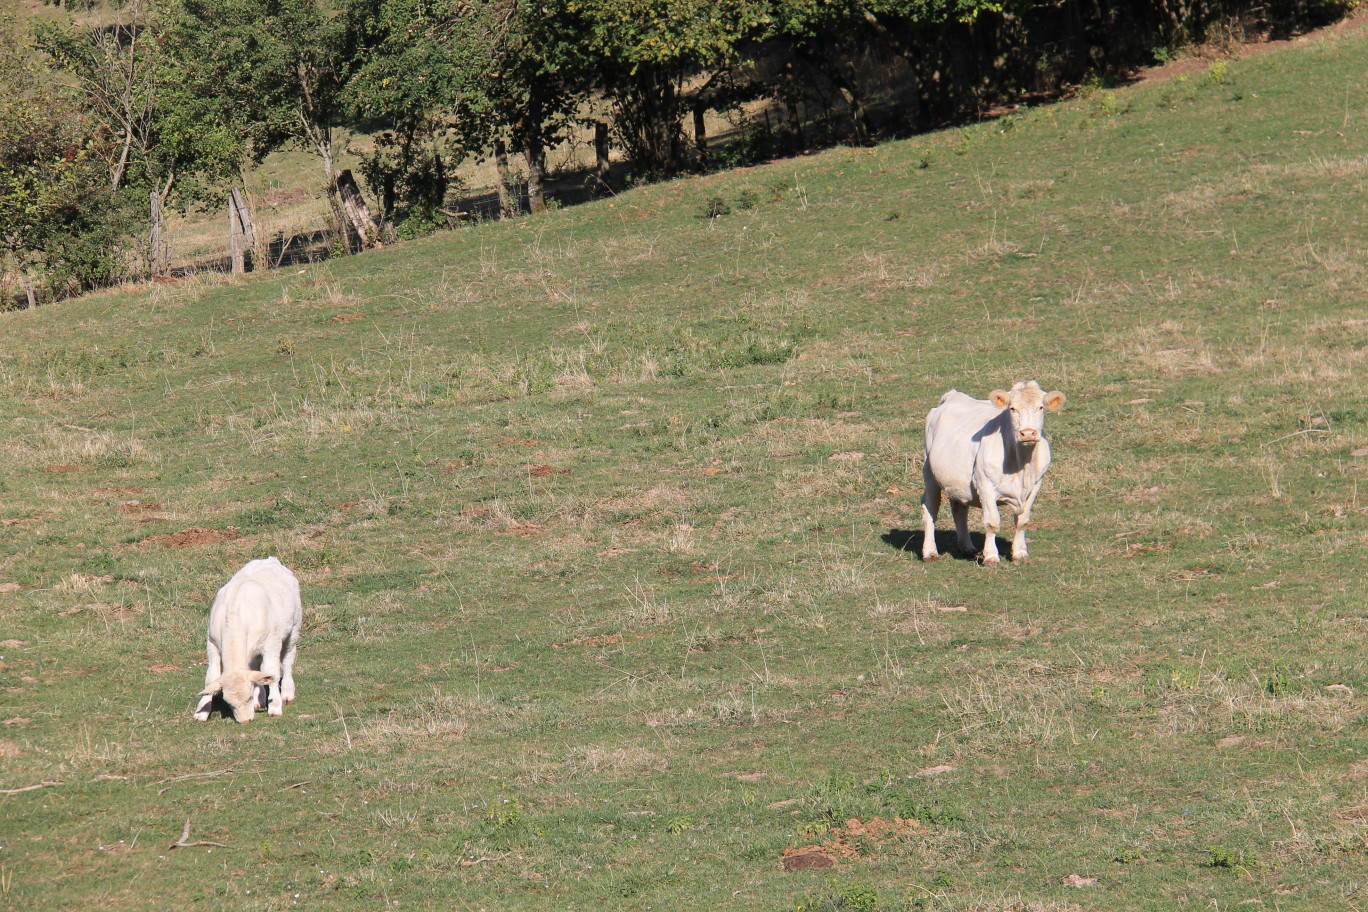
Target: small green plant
x: 715, y: 207
x: 284, y: 345
x: 748, y: 199
x: 1218, y: 73
x: 679, y: 825
x: 925, y: 160
x: 507, y: 816
x: 1225, y: 859
x: 855, y: 896
x: 1278, y: 683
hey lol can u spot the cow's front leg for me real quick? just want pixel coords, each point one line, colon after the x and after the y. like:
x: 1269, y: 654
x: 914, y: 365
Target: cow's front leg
x: 1023, y: 522
x: 992, y: 521
x: 211, y: 674
x: 1019, y: 555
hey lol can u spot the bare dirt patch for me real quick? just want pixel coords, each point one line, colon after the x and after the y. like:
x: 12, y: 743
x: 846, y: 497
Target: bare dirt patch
x: 849, y: 842
x: 144, y: 511
x: 193, y: 537
x: 807, y: 858
x: 594, y: 642
x: 61, y: 469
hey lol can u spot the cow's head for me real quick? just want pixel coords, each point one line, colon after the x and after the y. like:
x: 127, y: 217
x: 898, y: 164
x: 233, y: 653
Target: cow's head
x: 1026, y: 404
x: 239, y: 689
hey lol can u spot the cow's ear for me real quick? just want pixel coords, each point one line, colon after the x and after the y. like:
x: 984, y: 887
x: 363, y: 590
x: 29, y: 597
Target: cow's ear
x: 260, y: 677
x: 1054, y: 401
x: 999, y: 398
x: 211, y: 689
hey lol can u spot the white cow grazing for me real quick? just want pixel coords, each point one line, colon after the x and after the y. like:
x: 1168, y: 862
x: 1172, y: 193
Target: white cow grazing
x: 981, y: 454
x: 253, y: 634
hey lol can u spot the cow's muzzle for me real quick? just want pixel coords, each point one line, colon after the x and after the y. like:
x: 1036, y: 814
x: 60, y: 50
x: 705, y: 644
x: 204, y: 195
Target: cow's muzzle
x: 1028, y: 436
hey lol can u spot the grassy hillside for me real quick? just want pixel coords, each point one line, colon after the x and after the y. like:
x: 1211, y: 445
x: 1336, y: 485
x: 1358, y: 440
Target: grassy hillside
x: 600, y: 520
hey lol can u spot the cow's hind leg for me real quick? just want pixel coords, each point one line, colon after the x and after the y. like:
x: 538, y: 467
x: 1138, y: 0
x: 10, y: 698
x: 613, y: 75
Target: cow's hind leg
x: 961, y: 513
x: 931, y: 501
x: 287, y: 684
x: 270, y: 665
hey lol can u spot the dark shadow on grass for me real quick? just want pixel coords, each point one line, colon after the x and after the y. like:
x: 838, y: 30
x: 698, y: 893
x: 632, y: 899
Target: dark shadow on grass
x: 219, y: 708
x: 946, y: 543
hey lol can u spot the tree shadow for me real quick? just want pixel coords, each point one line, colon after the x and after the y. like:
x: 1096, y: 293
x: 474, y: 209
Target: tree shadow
x: 947, y: 543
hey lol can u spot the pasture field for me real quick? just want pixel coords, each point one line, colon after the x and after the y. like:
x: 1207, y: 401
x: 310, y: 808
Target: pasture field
x: 604, y: 521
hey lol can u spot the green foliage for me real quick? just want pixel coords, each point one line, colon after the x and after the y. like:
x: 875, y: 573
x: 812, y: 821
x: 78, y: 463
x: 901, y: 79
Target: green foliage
x: 57, y: 213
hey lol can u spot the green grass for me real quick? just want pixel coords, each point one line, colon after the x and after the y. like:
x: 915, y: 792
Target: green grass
x: 598, y: 517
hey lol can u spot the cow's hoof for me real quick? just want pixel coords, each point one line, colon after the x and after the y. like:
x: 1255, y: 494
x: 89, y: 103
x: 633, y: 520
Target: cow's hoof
x: 930, y: 558
x: 991, y: 561
x: 202, y: 717
x: 275, y: 711
x: 1021, y: 561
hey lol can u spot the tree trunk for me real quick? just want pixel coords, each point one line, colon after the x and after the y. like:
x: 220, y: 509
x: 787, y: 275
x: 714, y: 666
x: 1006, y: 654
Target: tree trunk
x: 354, y: 205
x: 536, y: 167
x: 700, y: 136
x: 507, y: 205
x: 792, y: 95
x: 602, y: 170
x: 117, y: 178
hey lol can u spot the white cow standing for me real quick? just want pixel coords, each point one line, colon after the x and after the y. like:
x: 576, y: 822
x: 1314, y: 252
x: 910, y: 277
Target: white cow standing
x: 983, y: 453
x: 253, y: 634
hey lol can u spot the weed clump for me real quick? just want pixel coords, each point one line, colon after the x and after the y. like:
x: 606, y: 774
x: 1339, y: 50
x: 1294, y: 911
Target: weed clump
x: 714, y: 208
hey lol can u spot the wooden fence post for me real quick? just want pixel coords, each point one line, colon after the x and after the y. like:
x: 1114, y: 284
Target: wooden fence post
x: 235, y: 239
x: 358, y: 213
x: 240, y: 230
x: 506, y: 203
x: 602, y: 167
x: 154, y: 258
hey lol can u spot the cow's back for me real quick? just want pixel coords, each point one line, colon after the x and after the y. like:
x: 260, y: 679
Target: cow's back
x: 269, y: 578
x: 954, y: 437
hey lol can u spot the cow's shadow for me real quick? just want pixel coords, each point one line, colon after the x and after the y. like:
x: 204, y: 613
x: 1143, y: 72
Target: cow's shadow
x: 947, y: 543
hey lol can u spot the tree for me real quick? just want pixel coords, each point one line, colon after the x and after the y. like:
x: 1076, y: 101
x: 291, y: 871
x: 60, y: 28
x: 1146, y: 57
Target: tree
x: 56, y: 212
x: 406, y: 73
x: 647, y: 51
x: 254, y: 75
x: 164, y: 141
x: 454, y: 77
